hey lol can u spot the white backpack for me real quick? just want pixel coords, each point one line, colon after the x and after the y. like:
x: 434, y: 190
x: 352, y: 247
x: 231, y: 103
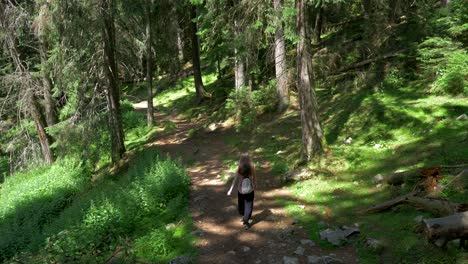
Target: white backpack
x: 246, y: 186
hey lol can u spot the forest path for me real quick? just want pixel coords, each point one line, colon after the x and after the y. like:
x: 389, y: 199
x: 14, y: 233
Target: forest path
x: 220, y: 234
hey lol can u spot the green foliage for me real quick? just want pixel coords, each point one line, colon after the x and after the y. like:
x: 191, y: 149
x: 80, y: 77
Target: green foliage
x: 131, y: 119
x: 30, y: 201
x: 87, y: 140
x: 240, y: 105
x: 152, y: 193
x: 4, y: 168
x: 446, y: 64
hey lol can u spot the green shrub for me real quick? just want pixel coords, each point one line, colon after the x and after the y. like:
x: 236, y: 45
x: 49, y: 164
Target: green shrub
x: 131, y: 118
x: 30, y: 201
x: 266, y: 98
x: 153, y: 193
x: 239, y: 104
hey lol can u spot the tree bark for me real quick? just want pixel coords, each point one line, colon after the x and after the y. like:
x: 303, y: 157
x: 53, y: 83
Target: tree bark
x: 149, y: 64
x: 444, y: 3
x: 239, y: 70
x: 112, y: 88
x: 197, y: 75
x: 318, y: 25
x: 311, y: 130
x: 367, y: 6
x: 280, y: 62
x: 239, y: 61
x: 49, y: 102
x: 441, y: 230
x: 433, y: 205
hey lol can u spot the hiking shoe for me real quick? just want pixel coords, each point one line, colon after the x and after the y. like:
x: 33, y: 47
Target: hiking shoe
x: 247, y: 226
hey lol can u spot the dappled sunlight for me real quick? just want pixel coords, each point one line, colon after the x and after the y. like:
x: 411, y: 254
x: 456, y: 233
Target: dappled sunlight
x: 219, y: 232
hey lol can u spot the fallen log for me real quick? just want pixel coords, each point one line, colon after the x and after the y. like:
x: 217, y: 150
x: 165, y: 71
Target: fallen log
x: 385, y: 205
x: 368, y: 61
x: 434, y: 205
x: 440, y: 231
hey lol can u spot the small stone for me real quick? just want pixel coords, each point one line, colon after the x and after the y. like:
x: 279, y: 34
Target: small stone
x: 348, y: 140
x: 378, y: 178
x: 258, y: 261
x: 377, y: 146
x: 231, y: 252
x: 355, y: 182
x: 280, y: 152
x: 331, y: 260
x: 245, y: 249
x: 212, y: 127
x: 307, y: 242
x: 301, y: 206
x: 197, y: 233
x: 418, y: 218
x: 170, y: 226
x: 290, y: 260
x: 374, y: 244
x: 314, y: 259
x: 299, y: 251
x: 181, y: 260
x: 379, y: 185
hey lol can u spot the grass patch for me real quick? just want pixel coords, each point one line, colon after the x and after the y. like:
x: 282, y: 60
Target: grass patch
x: 130, y: 211
x: 29, y: 201
x: 397, y: 129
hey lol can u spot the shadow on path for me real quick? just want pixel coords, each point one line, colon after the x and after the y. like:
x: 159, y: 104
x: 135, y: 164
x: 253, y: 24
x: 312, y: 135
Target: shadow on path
x: 220, y: 236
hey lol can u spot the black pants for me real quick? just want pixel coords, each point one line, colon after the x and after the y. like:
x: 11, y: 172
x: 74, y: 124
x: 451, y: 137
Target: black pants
x: 245, y: 205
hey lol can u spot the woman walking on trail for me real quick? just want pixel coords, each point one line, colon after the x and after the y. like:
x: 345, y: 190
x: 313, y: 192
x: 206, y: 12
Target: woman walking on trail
x: 246, y: 183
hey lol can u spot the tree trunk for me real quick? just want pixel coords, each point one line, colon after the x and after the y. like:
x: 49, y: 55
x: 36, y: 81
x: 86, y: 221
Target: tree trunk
x: 44, y: 139
x: 441, y: 230
x: 239, y: 62
x: 49, y: 102
x: 367, y: 6
x: 28, y: 88
x: 280, y: 62
x: 239, y: 70
x: 318, y: 25
x: 311, y: 130
x: 197, y: 75
x: 149, y: 64
x: 112, y: 89
x: 444, y: 3
x: 393, y: 11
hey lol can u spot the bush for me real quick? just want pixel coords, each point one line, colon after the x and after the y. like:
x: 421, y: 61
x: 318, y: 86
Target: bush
x: 240, y: 105
x: 30, y: 201
x: 445, y: 64
x: 151, y: 194
x: 131, y: 118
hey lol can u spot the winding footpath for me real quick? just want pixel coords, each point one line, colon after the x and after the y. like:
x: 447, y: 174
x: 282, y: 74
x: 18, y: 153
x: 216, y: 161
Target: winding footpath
x: 221, y: 239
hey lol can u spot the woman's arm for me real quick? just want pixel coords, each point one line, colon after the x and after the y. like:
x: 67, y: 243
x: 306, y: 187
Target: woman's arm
x: 233, y: 184
x: 254, y: 177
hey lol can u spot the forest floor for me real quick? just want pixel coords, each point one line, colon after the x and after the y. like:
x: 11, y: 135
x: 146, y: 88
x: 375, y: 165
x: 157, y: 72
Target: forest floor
x: 274, y: 236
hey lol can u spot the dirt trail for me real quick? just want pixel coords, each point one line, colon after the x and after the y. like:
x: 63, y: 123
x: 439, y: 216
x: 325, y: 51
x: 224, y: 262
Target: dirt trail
x: 221, y: 238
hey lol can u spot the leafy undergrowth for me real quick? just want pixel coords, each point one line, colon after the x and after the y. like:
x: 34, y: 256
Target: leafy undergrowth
x: 56, y: 215
x: 383, y: 132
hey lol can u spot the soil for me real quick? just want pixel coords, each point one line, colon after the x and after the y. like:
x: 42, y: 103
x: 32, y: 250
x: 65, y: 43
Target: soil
x: 219, y: 231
